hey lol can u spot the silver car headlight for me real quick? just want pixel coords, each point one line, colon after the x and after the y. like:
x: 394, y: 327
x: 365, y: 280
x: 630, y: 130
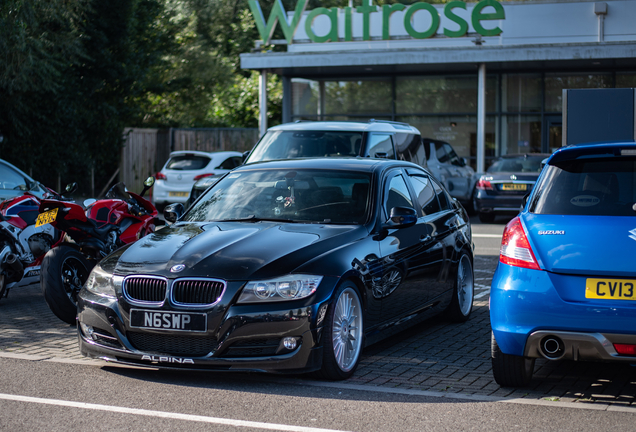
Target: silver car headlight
x: 291, y: 287
x: 102, y: 283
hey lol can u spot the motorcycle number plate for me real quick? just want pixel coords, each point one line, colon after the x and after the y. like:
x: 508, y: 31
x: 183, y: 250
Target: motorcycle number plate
x: 46, y: 217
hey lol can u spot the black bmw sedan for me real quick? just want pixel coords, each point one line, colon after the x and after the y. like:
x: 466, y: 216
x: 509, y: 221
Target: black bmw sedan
x: 284, y: 266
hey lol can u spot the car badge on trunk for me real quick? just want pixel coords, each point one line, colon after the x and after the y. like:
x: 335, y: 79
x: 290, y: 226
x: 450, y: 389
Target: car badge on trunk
x: 177, y: 268
x: 513, y: 177
x: 179, y: 177
x: 632, y: 234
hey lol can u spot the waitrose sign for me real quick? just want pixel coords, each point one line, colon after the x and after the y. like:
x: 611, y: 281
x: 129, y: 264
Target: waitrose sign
x: 418, y: 21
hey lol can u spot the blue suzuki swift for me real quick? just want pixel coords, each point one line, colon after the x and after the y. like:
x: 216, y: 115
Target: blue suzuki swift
x: 565, y: 285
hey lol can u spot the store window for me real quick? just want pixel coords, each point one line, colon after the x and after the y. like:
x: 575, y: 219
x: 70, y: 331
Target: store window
x: 305, y: 98
x: 441, y: 94
x: 521, y: 92
x: 358, y: 97
x: 520, y: 134
x: 555, y: 83
x: 626, y: 80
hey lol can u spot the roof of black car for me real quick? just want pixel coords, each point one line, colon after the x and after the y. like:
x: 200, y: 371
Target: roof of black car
x: 336, y: 163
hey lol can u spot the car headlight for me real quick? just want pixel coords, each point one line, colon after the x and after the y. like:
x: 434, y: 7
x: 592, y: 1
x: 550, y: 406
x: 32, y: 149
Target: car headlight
x: 291, y: 287
x: 102, y: 283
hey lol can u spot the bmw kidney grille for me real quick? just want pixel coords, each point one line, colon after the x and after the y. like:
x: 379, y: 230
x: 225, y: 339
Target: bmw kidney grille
x: 145, y: 289
x: 197, y: 292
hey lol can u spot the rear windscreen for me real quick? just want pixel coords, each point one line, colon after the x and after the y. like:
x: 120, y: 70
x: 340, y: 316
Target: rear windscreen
x: 187, y: 162
x: 598, y: 187
x: 302, y: 144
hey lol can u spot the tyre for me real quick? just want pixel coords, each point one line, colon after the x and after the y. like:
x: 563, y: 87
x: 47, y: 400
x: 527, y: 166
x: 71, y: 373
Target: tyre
x: 461, y: 305
x: 510, y: 370
x: 343, y: 334
x: 64, y: 270
x: 486, y: 217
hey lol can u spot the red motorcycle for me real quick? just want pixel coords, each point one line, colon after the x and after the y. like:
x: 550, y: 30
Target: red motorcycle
x: 23, y: 243
x: 93, y: 232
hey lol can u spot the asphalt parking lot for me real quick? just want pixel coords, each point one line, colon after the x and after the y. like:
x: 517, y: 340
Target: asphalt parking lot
x: 436, y: 356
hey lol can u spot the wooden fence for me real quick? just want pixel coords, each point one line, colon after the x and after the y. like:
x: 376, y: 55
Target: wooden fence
x: 145, y: 151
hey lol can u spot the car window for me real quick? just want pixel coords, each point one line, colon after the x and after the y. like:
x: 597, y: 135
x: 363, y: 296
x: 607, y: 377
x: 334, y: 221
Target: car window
x: 312, y: 196
x: 230, y: 163
x: 425, y: 192
x: 410, y: 148
x: 517, y: 164
x: 397, y: 194
x: 598, y: 187
x: 296, y: 144
x: 187, y: 162
x: 452, y: 156
x: 380, y: 145
x: 11, y: 179
x: 443, y: 199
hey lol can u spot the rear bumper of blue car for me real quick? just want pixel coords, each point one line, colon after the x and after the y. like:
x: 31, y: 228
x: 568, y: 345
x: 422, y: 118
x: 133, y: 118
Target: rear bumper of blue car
x: 537, y: 314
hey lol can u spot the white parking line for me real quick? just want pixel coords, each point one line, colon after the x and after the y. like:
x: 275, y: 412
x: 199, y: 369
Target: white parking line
x: 483, y: 294
x: 163, y: 414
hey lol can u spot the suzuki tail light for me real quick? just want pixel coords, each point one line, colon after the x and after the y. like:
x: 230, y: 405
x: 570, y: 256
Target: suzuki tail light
x: 483, y: 185
x: 515, y: 248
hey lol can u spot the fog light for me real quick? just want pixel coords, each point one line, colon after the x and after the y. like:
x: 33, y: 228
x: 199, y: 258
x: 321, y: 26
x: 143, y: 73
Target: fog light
x: 290, y: 343
x: 87, y: 330
x: 625, y: 349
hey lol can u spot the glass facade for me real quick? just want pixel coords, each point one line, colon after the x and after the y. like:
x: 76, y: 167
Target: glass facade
x: 523, y: 110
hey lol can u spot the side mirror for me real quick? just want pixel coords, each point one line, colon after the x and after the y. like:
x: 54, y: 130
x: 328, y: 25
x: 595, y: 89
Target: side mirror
x: 402, y: 217
x: 148, y: 183
x: 246, y: 154
x: 173, y: 212
x: 71, y: 188
x: 463, y: 162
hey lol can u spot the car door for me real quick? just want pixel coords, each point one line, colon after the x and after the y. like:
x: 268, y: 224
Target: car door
x: 454, y: 173
x: 402, y: 253
x: 443, y: 223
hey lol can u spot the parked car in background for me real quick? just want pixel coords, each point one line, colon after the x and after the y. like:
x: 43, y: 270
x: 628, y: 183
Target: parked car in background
x: 14, y: 182
x: 565, y: 286
x: 174, y: 182
x: 500, y: 190
x: 453, y: 171
x: 375, y: 139
x: 201, y: 186
x: 284, y: 266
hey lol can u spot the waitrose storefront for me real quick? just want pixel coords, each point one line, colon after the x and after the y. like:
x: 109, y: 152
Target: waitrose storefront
x: 487, y: 77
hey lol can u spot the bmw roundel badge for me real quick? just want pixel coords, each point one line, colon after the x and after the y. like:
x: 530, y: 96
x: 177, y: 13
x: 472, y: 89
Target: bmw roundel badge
x: 177, y: 268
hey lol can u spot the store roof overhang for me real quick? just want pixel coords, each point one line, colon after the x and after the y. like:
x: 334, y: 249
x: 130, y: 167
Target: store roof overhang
x: 432, y: 60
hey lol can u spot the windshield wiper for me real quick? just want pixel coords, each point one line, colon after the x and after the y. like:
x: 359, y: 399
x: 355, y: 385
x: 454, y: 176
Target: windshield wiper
x: 253, y: 218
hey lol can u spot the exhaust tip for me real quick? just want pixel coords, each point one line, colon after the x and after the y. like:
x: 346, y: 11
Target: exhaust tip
x: 552, y: 347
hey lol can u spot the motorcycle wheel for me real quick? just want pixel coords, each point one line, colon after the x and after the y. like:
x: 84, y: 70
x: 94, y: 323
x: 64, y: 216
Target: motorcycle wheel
x: 64, y: 270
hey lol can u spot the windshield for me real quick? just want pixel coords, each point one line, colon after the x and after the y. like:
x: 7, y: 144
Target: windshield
x: 300, y: 144
x: 311, y: 196
x: 599, y: 187
x: 517, y: 164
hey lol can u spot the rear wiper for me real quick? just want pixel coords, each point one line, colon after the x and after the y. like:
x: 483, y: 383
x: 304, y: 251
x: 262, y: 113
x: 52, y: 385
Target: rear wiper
x: 253, y: 218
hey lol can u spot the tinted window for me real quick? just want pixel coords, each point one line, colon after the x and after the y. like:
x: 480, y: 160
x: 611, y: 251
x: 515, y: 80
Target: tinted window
x: 231, y: 163
x: 410, y: 148
x: 517, y: 164
x: 296, y: 144
x: 397, y: 195
x: 380, y: 145
x: 187, y: 162
x: 426, y: 196
x: 602, y: 186
x: 10, y: 179
x: 441, y: 196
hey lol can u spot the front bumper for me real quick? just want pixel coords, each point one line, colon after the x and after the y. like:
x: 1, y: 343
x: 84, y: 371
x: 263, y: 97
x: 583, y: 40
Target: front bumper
x: 528, y: 306
x: 245, y: 338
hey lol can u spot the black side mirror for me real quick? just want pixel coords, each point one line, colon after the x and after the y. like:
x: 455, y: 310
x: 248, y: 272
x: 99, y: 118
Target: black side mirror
x: 148, y: 183
x: 71, y: 188
x: 402, y: 217
x: 173, y: 212
x: 246, y: 154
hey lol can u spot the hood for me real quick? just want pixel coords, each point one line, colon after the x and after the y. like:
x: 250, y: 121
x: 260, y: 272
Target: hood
x: 585, y: 245
x: 233, y: 250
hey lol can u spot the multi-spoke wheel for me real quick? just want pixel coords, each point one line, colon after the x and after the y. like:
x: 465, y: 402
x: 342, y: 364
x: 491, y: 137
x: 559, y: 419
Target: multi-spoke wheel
x: 343, y: 334
x: 462, y: 302
x: 64, y: 270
